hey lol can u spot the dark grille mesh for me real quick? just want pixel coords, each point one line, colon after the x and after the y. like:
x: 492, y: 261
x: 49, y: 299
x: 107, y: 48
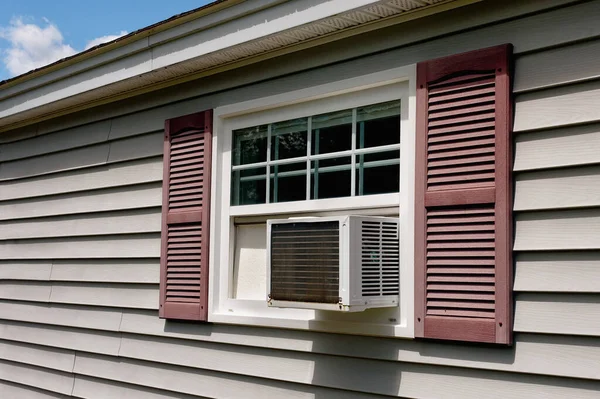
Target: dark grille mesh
x: 305, y: 262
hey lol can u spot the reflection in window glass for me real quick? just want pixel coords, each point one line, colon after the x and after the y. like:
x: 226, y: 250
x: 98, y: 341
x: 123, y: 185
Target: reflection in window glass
x: 378, y: 173
x: 376, y: 168
x: 331, y: 132
x: 288, y: 182
x: 330, y: 178
x: 248, y: 186
x: 250, y: 145
x: 378, y: 125
x: 288, y: 139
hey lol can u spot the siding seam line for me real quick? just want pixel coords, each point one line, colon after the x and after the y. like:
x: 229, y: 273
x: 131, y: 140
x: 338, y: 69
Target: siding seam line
x: 109, y: 143
x: 120, y: 335
x: 50, y: 280
x: 73, y: 373
x: 110, y: 124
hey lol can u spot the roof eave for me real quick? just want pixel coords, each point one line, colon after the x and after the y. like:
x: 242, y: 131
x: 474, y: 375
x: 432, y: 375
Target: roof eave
x: 166, y: 62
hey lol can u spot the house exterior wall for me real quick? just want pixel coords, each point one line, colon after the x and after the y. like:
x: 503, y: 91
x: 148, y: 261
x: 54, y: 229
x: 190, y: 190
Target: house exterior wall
x: 80, y: 238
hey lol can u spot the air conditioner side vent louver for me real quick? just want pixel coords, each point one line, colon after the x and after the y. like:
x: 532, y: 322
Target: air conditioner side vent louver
x: 380, y: 258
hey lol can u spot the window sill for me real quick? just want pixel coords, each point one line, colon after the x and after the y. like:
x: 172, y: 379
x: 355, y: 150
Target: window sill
x: 309, y: 322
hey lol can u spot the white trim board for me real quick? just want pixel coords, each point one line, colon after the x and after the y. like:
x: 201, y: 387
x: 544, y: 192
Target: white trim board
x: 342, y: 94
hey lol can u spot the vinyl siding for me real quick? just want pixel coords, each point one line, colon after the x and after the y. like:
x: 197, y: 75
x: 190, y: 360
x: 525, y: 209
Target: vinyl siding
x: 80, y: 234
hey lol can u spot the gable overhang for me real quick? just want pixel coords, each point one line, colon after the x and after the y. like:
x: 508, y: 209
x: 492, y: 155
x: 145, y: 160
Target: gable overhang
x: 224, y: 35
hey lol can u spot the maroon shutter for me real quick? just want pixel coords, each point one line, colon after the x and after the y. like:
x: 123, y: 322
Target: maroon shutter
x: 463, y: 261
x: 185, y: 217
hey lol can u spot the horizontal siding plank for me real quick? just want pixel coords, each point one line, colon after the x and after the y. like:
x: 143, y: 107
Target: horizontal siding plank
x: 209, y: 346
x: 577, y: 272
x: 415, y: 381
x: 94, y: 388
x: 122, y: 222
x: 25, y: 270
x: 202, y: 383
x: 114, y: 199
x: 25, y: 291
x: 51, y: 358
x: 56, y: 162
x: 552, y: 355
x: 37, y: 377
x: 66, y: 338
x: 536, y: 354
x: 555, y: 189
x: 113, y: 295
x: 115, y: 271
x: 558, y: 314
x: 114, y: 175
x: 150, y: 120
x: 569, y: 146
x: 557, y: 230
x: 93, y: 318
x: 558, y: 107
x: 75, y: 137
x: 10, y: 390
x: 557, y: 66
x: 148, y: 145
x: 132, y: 246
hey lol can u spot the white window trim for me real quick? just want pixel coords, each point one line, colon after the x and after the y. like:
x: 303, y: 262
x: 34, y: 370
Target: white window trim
x: 222, y: 309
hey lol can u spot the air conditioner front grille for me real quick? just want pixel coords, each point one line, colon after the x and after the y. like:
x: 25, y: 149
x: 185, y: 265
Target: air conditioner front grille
x: 380, y: 258
x: 305, y: 262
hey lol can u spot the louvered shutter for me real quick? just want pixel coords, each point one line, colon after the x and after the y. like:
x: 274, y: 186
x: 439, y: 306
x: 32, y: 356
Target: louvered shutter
x: 185, y: 220
x: 463, y: 262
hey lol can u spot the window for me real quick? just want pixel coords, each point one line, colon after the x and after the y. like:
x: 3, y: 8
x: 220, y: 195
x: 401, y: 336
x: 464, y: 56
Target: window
x: 336, y: 154
x: 340, y: 148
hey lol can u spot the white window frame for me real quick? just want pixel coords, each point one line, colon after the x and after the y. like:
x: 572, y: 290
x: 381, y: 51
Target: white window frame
x: 392, y: 84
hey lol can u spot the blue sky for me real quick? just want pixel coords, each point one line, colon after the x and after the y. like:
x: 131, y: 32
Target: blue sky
x: 37, y: 32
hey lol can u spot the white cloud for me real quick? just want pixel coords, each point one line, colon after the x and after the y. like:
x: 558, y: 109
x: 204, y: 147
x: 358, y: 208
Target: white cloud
x: 104, y: 39
x: 32, y: 46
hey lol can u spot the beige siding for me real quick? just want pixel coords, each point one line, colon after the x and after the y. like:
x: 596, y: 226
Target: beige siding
x: 80, y: 235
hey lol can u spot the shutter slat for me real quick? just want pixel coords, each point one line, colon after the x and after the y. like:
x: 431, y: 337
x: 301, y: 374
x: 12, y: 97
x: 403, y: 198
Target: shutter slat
x: 461, y: 296
x: 460, y: 287
x: 460, y: 262
x: 462, y: 199
x: 462, y: 161
x: 459, y: 119
x: 461, y: 313
x: 461, y: 128
x: 454, y: 111
x: 462, y: 103
x: 461, y: 136
x: 186, y: 195
x: 462, y: 169
x: 451, y: 92
x: 460, y: 270
x: 459, y: 305
x: 461, y: 144
x: 469, y: 80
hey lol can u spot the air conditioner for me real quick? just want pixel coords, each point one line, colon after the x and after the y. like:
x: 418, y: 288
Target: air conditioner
x: 342, y: 263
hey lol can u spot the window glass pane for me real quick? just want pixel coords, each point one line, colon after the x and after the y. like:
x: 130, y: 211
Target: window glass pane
x: 248, y: 186
x: 378, y: 124
x: 250, y: 145
x: 378, y: 173
x: 330, y: 178
x: 288, y: 182
x: 331, y: 132
x: 288, y: 139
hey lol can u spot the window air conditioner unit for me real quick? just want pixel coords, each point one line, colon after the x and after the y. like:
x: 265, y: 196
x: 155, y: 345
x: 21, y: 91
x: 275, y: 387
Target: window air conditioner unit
x: 343, y: 263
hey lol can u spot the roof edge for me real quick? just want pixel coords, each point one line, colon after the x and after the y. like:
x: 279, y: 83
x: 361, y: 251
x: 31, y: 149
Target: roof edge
x: 140, y: 34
